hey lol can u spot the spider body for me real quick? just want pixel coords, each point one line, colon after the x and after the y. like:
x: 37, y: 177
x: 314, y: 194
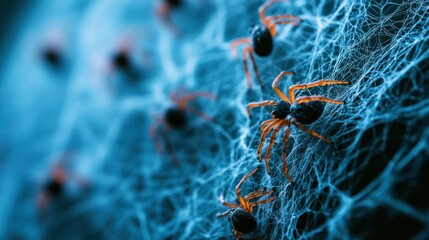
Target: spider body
x: 242, y: 221
x: 240, y: 215
x: 262, y: 40
x: 174, y: 3
x: 52, y: 57
x: 175, y: 117
x: 121, y: 61
x: 298, y: 112
x: 305, y: 113
x: 54, y: 188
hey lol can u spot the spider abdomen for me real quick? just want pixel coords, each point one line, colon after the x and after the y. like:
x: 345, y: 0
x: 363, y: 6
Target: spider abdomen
x: 281, y: 110
x: 175, y: 117
x: 242, y: 221
x: 307, y: 113
x: 262, y: 41
x: 54, y: 188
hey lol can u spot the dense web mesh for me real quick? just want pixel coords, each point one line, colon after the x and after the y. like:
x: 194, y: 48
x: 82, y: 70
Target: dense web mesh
x: 372, y: 182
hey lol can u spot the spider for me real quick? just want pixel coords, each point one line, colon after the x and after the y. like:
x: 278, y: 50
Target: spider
x: 175, y: 117
x: 298, y: 112
x: 54, y: 187
x: 240, y: 214
x: 163, y: 11
x: 261, y: 40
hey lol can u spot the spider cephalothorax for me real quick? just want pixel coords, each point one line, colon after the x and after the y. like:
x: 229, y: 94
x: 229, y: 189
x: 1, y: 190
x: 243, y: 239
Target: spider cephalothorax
x: 298, y: 112
x: 261, y: 38
x: 240, y: 215
x: 175, y: 117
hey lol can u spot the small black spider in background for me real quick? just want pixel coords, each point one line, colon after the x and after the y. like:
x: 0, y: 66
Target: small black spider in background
x: 53, y: 57
x: 240, y: 215
x: 261, y: 38
x: 175, y: 117
x: 122, y: 62
x: 164, y: 10
x: 54, y: 186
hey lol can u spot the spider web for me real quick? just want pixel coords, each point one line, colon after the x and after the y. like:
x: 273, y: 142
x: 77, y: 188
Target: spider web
x: 370, y: 183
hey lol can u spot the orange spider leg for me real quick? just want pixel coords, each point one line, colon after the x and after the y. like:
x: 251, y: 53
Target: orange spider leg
x: 284, y: 154
x: 200, y: 114
x: 264, y: 135
x: 253, y: 193
x: 317, y: 98
x: 238, y: 189
x: 261, y: 202
x: 260, y: 104
x: 313, y: 84
x: 163, y: 12
x: 272, y: 21
x: 265, y: 123
x: 228, y: 204
x: 311, y: 132
x: 154, y: 134
x: 262, y: 9
x: 276, y: 88
x: 246, y: 51
x: 270, y: 146
x: 235, y: 43
x: 255, y: 67
x: 183, y: 101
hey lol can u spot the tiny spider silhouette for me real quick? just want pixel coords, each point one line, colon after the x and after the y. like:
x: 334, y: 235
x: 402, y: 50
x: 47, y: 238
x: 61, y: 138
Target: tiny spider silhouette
x: 261, y: 40
x: 298, y: 112
x: 175, y: 117
x: 240, y: 215
x: 163, y: 11
x: 54, y: 187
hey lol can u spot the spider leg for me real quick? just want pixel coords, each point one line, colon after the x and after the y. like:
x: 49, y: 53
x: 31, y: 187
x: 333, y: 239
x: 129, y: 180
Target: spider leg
x: 265, y: 123
x: 236, y: 43
x: 264, y: 135
x: 154, y: 134
x: 272, y: 140
x: 284, y: 154
x: 246, y: 51
x: 255, y: 67
x: 313, y: 84
x: 243, y: 202
x: 272, y: 21
x: 163, y: 12
x: 169, y: 147
x: 261, y: 202
x: 311, y: 132
x: 228, y: 204
x: 183, y: 101
x: 262, y: 9
x: 260, y: 104
x: 317, y: 98
x: 276, y: 88
x: 200, y: 114
x: 224, y: 214
x: 253, y: 193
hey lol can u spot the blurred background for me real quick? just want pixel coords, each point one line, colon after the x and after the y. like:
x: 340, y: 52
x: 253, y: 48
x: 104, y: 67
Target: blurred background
x: 127, y: 119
